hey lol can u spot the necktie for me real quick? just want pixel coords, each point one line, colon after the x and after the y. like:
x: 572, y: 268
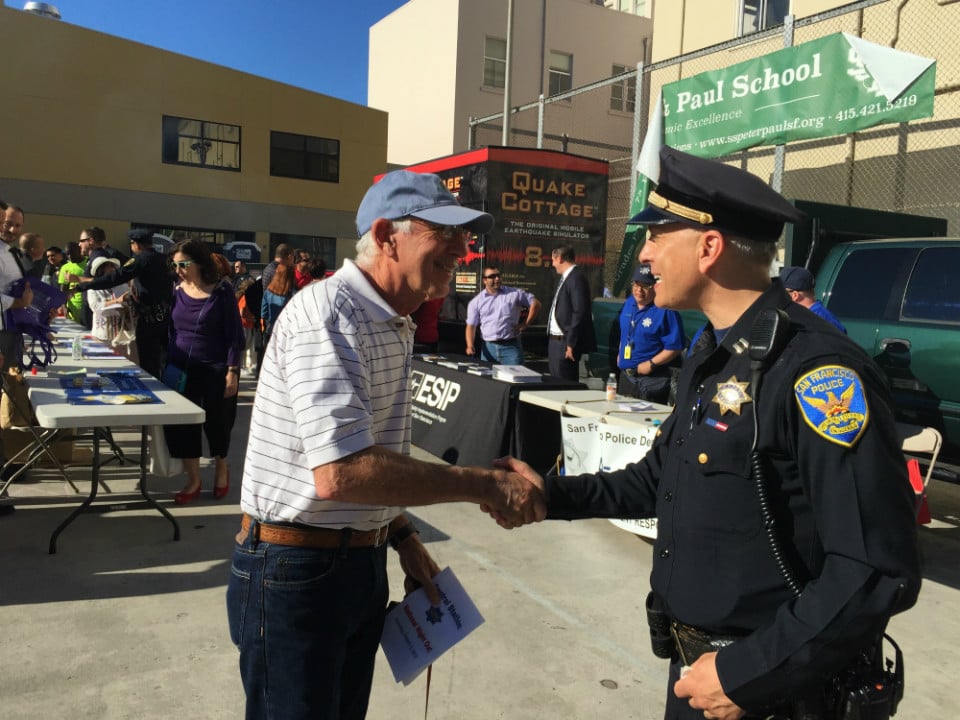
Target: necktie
x: 16, y: 257
x: 551, y: 321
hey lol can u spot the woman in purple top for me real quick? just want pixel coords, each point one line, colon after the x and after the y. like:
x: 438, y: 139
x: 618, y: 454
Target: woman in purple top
x: 206, y: 341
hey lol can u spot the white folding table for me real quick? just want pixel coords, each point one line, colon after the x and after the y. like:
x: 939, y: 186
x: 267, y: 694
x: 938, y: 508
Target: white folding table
x: 55, y: 412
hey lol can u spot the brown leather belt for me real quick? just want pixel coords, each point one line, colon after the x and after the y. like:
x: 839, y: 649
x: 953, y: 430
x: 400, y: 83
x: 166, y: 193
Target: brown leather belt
x: 312, y: 537
x: 555, y: 337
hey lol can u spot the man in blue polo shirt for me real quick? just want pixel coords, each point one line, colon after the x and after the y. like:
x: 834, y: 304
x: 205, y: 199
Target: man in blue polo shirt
x: 497, y: 310
x: 799, y: 283
x: 650, y: 338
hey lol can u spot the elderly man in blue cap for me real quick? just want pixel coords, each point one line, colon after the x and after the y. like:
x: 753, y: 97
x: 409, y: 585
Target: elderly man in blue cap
x: 799, y: 284
x: 328, y: 471
x: 786, y: 531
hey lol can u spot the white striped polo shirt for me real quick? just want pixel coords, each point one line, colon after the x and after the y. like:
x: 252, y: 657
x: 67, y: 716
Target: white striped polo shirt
x: 335, y: 380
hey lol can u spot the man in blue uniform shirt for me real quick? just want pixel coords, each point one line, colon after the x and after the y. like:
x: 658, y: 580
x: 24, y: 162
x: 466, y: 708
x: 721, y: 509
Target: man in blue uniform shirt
x: 799, y: 283
x: 650, y: 338
x: 758, y: 631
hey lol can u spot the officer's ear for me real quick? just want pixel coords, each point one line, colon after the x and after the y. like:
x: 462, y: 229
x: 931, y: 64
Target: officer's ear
x: 710, y: 247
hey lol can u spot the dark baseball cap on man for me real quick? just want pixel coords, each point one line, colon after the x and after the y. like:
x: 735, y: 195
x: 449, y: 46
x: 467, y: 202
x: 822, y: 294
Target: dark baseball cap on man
x: 709, y: 194
x: 643, y: 276
x: 403, y: 193
x: 794, y: 277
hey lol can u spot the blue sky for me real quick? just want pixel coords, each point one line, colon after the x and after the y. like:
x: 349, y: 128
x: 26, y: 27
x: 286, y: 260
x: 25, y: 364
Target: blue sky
x: 320, y: 45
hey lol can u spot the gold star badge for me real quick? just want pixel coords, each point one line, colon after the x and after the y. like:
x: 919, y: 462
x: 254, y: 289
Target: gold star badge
x: 731, y: 394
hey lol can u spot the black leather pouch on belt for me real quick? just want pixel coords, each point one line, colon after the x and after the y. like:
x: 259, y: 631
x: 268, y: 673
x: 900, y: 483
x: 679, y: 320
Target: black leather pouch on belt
x: 658, y: 620
x: 692, y: 642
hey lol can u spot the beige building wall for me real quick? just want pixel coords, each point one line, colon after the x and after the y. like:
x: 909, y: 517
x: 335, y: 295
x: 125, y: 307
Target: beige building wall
x: 436, y: 87
x: 82, y: 138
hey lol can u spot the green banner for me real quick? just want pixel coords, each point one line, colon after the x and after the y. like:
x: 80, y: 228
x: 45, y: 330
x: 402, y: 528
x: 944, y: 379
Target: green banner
x: 831, y: 86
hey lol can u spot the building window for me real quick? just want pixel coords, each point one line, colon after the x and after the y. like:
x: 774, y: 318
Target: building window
x: 561, y: 72
x: 623, y: 94
x: 198, y: 142
x: 756, y: 15
x: 634, y: 7
x: 494, y: 63
x: 304, y: 157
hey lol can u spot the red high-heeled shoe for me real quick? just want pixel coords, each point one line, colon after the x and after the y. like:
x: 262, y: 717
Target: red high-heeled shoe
x: 182, y: 498
x: 219, y: 493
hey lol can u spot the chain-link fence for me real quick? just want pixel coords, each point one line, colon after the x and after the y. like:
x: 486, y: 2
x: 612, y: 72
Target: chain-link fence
x: 906, y: 168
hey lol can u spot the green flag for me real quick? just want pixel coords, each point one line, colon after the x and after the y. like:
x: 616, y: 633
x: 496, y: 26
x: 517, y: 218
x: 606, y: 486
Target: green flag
x: 648, y: 168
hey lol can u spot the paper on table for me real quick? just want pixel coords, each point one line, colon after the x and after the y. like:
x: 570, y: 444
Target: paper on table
x: 635, y: 406
x: 415, y: 634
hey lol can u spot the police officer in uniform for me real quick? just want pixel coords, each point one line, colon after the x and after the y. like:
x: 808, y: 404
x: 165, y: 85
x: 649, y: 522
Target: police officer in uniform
x: 152, y: 293
x: 828, y: 461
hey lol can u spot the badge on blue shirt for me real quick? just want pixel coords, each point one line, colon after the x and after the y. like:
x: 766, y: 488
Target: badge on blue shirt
x: 833, y: 403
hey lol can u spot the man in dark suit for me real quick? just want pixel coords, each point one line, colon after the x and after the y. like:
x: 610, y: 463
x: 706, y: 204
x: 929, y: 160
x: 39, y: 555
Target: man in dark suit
x: 570, y: 324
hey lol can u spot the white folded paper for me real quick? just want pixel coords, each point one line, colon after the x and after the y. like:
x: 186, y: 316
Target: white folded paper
x: 415, y: 633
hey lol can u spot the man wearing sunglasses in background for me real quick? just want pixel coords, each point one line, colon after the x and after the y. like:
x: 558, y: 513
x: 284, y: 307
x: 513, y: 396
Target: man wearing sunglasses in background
x: 152, y: 296
x: 497, y: 310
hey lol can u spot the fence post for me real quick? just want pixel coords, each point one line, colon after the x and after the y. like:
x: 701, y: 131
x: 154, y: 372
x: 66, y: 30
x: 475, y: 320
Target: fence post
x: 540, y: 106
x: 780, y: 152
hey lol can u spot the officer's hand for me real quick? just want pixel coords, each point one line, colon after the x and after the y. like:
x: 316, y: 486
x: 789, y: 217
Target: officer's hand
x: 702, y: 685
x: 517, y: 494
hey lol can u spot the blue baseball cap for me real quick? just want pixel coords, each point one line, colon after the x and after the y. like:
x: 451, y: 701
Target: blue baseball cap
x: 643, y: 276
x: 794, y: 277
x: 403, y: 193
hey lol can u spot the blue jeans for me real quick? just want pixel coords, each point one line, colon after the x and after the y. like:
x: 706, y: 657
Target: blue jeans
x: 509, y: 353
x: 308, y: 623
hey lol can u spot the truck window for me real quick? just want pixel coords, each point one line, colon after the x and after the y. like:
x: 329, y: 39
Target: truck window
x: 933, y: 294
x: 862, y: 287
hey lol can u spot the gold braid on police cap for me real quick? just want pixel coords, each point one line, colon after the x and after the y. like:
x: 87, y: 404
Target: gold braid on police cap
x: 697, y: 216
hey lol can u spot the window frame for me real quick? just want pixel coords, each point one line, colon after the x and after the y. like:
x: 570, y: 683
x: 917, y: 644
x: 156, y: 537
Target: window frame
x: 553, y: 71
x: 307, y: 155
x: 174, y: 120
x: 762, y: 16
x: 919, y: 285
x: 627, y: 89
x: 487, y: 58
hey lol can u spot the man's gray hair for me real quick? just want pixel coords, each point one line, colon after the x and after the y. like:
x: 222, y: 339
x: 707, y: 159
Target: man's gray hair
x: 367, y: 249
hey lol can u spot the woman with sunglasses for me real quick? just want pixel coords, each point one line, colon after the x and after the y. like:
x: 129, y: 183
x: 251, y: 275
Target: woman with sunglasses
x: 206, y: 343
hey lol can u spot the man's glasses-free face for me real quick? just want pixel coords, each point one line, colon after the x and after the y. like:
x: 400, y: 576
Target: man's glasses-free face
x: 182, y: 264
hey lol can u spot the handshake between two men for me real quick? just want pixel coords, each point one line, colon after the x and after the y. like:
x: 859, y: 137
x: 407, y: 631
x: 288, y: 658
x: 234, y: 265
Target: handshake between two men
x: 522, y: 500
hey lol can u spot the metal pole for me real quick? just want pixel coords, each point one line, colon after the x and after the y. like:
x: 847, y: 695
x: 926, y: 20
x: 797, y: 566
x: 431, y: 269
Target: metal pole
x: 540, y: 122
x: 780, y: 152
x: 505, y: 140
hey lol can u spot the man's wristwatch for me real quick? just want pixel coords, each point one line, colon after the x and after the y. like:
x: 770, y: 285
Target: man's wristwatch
x: 402, y: 534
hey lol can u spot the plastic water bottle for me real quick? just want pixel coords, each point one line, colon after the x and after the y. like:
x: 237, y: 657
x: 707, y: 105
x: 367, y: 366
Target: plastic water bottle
x: 76, y: 350
x: 611, y: 387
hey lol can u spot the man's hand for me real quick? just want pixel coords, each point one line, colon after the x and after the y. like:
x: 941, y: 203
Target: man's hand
x: 568, y: 354
x: 232, y: 386
x: 702, y: 685
x: 519, y: 491
x: 419, y: 569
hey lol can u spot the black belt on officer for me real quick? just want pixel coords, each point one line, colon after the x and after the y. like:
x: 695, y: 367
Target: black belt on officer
x: 693, y: 642
x: 555, y: 337
x: 502, y: 341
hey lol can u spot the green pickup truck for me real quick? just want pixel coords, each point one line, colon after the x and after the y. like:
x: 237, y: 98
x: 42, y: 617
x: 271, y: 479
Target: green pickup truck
x: 899, y: 300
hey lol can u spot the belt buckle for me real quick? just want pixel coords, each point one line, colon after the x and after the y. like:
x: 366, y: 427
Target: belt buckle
x: 379, y: 539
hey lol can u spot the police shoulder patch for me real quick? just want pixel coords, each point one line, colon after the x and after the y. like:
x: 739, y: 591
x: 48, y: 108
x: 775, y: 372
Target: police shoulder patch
x: 833, y: 403
x: 130, y: 262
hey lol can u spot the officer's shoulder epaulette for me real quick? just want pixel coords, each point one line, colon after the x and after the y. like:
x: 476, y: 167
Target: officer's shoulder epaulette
x: 130, y: 262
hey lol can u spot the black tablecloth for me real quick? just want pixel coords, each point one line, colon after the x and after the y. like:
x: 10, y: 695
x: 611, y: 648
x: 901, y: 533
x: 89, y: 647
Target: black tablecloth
x: 470, y: 420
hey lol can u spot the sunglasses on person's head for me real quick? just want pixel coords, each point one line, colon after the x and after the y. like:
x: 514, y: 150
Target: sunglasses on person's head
x: 182, y: 264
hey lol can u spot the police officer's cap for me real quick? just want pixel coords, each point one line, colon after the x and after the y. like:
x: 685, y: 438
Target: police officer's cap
x: 643, y: 276
x: 141, y: 236
x: 706, y: 193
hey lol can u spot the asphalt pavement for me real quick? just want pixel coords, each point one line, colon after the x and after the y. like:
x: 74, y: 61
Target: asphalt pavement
x: 125, y: 623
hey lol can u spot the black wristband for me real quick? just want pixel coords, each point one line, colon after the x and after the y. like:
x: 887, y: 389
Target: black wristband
x: 652, y: 364
x: 402, y: 534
